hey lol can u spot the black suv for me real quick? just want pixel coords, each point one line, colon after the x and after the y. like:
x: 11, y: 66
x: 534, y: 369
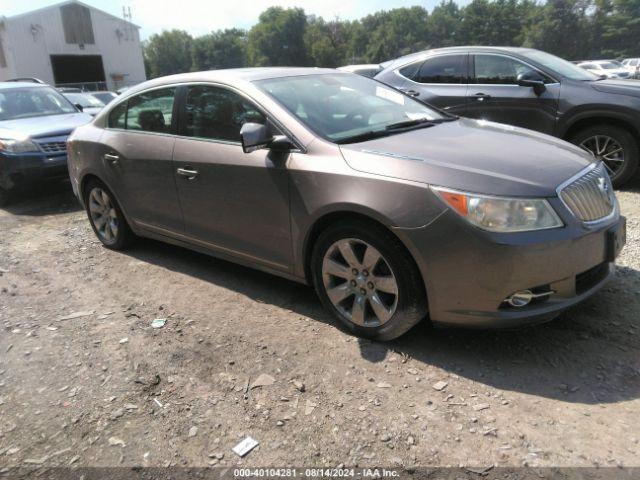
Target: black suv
x: 532, y: 89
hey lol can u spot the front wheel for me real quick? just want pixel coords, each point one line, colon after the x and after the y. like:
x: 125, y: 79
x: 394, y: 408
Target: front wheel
x: 368, y: 280
x: 612, y: 145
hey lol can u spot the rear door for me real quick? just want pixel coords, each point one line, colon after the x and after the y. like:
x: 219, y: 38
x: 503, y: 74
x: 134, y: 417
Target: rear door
x: 233, y: 202
x: 494, y: 93
x: 137, y: 152
x: 440, y: 81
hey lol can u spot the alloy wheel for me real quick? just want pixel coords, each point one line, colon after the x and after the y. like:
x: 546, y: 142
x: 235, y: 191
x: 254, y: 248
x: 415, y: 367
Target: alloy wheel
x: 103, y: 214
x: 606, y: 149
x: 359, y: 282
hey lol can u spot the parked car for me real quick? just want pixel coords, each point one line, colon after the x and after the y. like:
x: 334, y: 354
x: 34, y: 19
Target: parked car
x: 532, y: 89
x: 85, y: 102
x: 393, y: 210
x: 104, y: 96
x: 35, y: 120
x: 633, y: 65
x: 366, y: 70
x: 606, y: 68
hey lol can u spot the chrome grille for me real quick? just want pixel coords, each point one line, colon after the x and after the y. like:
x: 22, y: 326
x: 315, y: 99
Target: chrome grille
x: 53, y: 147
x: 590, y: 197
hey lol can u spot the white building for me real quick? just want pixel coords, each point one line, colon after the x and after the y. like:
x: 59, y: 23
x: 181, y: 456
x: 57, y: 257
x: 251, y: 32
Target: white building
x: 71, y: 43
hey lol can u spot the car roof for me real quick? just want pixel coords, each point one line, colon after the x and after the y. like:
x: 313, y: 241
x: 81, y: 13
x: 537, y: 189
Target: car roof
x: 229, y: 76
x: 10, y: 85
x: 460, y: 49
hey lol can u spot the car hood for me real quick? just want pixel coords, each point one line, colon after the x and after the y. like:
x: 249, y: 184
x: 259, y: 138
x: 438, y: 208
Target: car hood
x: 472, y: 155
x: 622, y: 87
x: 45, y: 126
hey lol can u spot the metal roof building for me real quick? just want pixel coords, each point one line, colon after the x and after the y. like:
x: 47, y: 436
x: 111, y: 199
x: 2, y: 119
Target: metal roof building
x: 71, y: 44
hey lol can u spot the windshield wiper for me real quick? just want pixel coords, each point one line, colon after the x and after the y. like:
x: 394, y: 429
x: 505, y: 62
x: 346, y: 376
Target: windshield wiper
x: 390, y: 129
x: 410, y: 123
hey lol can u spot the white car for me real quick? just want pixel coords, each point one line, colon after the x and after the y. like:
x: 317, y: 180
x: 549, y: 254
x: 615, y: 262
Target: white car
x: 633, y: 65
x: 606, y: 68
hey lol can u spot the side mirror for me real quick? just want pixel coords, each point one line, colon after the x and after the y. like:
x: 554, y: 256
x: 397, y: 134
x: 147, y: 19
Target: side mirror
x: 281, y: 143
x: 536, y: 83
x: 79, y: 107
x: 254, y: 136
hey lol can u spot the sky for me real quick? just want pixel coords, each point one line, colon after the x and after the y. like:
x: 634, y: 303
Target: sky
x: 201, y: 16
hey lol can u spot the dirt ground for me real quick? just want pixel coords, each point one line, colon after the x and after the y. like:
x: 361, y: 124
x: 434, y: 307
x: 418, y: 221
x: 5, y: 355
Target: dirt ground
x: 85, y: 380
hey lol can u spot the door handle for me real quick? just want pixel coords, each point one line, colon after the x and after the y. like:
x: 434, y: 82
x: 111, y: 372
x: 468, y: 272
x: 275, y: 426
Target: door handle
x: 189, y: 174
x: 480, y: 97
x: 411, y: 93
x: 112, y: 158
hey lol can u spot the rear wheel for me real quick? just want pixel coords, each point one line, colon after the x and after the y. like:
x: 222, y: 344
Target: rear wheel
x: 368, y: 280
x: 106, y: 217
x: 614, y: 146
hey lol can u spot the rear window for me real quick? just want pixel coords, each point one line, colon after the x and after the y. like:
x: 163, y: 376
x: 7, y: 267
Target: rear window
x: 441, y: 69
x: 148, y: 112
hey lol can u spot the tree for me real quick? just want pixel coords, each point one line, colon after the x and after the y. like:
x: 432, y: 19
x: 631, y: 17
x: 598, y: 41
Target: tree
x: 393, y: 33
x: 278, y: 38
x: 220, y: 49
x: 326, y: 42
x: 560, y: 28
x: 620, y: 28
x: 167, y: 53
x: 445, y: 25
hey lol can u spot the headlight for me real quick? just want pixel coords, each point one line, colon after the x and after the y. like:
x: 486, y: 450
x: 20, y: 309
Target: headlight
x: 13, y: 145
x: 501, y: 214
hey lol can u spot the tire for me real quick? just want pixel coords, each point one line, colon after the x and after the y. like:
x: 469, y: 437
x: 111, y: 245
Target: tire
x: 623, y: 138
x: 4, y: 197
x: 115, y: 232
x: 401, y: 311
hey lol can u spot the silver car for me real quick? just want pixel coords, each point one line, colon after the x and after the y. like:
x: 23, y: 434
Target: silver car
x: 393, y: 210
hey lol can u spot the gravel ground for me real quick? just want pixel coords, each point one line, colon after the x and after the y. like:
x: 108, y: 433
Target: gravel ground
x: 85, y: 380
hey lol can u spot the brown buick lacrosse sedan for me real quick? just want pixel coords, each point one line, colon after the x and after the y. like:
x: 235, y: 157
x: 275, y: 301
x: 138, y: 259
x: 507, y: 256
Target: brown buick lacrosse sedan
x: 393, y: 210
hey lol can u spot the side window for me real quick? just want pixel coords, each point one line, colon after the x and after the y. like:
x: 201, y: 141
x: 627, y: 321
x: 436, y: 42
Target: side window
x: 151, y: 111
x: 118, y: 116
x: 410, y: 71
x: 443, y: 69
x: 500, y: 70
x: 217, y: 113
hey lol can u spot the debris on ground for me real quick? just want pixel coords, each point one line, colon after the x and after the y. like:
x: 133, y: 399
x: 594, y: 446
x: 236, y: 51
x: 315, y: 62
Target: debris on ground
x: 245, y: 446
x: 159, y: 323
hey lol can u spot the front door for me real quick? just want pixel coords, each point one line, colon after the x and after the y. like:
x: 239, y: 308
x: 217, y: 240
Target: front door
x: 137, y: 152
x: 233, y: 202
x: 494, y: 94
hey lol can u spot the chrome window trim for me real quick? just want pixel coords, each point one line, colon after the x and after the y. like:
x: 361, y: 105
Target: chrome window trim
x: 470, y: 54
x: 593, y: 223
x: 277, y: 123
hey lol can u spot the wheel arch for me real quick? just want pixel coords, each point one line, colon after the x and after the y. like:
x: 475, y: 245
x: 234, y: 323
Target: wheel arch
x: 588, y: 120
x: 330, y: 218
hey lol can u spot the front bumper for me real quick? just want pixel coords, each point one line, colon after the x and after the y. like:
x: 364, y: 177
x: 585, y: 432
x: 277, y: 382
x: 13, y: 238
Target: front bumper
x: 468, y: 272
x: 30, y: 167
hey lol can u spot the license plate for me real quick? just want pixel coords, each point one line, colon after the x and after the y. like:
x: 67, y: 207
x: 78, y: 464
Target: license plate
x: 616, y: 239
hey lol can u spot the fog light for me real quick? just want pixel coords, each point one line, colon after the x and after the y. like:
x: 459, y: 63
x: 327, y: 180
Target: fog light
x: 525, y: 297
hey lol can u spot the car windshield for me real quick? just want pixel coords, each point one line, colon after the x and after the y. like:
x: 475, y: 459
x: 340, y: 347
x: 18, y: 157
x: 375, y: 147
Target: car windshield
x: 84, y: 99
x: 559, y: 65
x: 339, y: 107
x: 609, y: 65
x: 32, y: 102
